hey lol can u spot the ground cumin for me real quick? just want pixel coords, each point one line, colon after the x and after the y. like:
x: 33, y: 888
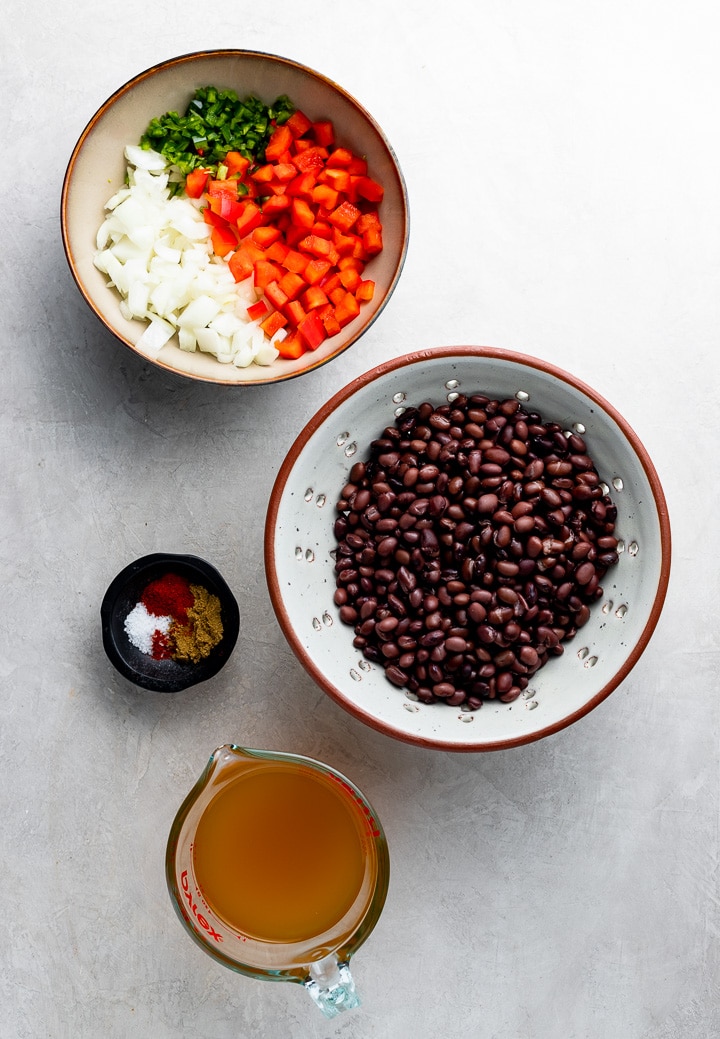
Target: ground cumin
x: 204, y: 629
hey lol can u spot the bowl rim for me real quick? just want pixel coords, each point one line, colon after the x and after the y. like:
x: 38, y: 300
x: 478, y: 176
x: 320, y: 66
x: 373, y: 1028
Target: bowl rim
x: 196, y: 673
x: 373, y: 375
x: 230, y: 52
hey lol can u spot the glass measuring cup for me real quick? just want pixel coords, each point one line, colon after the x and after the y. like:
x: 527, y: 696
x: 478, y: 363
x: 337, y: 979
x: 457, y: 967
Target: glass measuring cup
x: 278, y: 867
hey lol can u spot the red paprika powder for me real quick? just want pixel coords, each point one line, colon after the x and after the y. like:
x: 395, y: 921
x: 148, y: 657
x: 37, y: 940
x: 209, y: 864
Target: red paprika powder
x: 169, y: 595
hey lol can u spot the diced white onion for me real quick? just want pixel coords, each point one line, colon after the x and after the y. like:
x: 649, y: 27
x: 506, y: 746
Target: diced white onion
x: 144, y: 158
x: 155, y: 336
x: 266, y: 354
x: 155, y: 249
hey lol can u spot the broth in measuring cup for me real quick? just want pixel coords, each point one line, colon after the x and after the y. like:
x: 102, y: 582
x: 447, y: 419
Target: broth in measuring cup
x: 278, y: 867
x: 279, y: 853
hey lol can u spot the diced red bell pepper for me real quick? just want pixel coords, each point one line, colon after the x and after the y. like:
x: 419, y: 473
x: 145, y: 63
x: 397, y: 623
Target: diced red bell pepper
x: 344, y: 216
x: 322, y: 229
x: 241, y: 265
x: 351, y: 261
x: 292, y: 284
x: 280, y: 141
x: 359, y: 252
x: 250, y: 218
x: 369, y: 189
x: 326, y: 196
x: 295, y: 312
x: 344, y: 243
x: 253, y: 250
x: 312, y: 331
x: 358, y: 167
x: 324, y: 133
x: 372, y: 241
x: 236, y: 164
x: 274, y: 206
x: 337, y: 294
x: 302, y: 186
x: 347, y: 309
x: 273, y: 323
x: 350, y: 278
x: 214, y: 203
x: 331, y: 283
x: 365, y: 291
x: 310, y: 160
x: 195, y: 182
x: 284, y: 172
x: 337, y: 178
x: 319, y: 247
x: 313, y: 297
x: 301, y: 213
x: 263, y: 174
x: 256, y: 310
x: 266, y: 235
x: 222, y: 187
x: 366, y: 221
x: 294, y: 234
x: 273, y: 187
x: 291, y: 347
x: 265, y: 272
x: 277, y: 251
x: 224, y: 240
x: 227, y: 208
x: 295, y: 261
x: 298, y: 124
x: 316, y: 270
x: 276, y: 295
x: 303, y: 230
x: 213, y: 219
x: 331, y: 323
x: 340, y: 157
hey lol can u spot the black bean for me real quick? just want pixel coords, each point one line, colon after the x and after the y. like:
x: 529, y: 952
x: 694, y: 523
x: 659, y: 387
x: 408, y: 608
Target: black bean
x: 471, y: 542
x: 584, y: 573
x: 396, y: 675
x: 477, y: 612
x: 444, y: 689
x: 455, y: 644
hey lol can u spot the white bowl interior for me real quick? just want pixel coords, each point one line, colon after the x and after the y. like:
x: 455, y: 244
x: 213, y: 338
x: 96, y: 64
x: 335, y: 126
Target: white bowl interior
x: 300, y: 545
x: 97, y: 169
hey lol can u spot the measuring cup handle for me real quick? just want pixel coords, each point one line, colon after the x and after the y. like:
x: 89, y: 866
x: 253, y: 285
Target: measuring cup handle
x: 331, y: 986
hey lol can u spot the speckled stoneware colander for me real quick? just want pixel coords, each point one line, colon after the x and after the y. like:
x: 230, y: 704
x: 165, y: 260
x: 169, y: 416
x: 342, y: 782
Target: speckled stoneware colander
x: 300, y: 547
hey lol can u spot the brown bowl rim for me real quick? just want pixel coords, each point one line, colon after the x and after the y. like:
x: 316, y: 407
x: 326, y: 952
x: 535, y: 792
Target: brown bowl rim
x: 261, y: 380
x: 450, y: 352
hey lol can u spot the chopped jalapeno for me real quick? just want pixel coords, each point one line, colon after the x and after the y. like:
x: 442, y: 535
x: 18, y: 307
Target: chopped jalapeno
x: 215, y: 122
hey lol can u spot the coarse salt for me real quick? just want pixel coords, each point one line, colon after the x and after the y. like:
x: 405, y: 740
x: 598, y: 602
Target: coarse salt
x: 141, y: 626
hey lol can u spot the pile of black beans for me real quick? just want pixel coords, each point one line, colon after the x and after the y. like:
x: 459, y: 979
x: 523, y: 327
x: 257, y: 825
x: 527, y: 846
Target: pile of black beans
x: 470, y: 546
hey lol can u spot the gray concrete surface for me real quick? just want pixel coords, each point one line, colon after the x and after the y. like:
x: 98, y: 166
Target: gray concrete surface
x: 562, y: 162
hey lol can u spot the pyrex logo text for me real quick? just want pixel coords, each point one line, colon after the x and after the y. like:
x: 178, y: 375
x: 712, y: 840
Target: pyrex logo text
x: 194, y: 909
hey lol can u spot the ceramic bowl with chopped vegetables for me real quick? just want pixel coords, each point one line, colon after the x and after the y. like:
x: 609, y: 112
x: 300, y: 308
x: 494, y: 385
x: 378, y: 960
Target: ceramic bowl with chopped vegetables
x: 234, y: 217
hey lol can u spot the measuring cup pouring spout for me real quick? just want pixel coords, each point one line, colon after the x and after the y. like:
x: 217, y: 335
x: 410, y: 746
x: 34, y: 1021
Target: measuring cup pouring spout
x: 278, y: 867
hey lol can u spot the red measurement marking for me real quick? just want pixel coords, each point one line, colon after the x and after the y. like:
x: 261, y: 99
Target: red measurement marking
x: 194, y: 909
x: 371, y: 825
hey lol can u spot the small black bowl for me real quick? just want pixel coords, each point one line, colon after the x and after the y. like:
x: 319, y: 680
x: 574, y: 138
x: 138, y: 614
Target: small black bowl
x: 164, y: 676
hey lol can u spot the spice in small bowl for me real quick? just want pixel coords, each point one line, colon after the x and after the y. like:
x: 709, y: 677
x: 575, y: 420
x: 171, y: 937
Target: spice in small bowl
x: 175, y: 620
x: 169, y: 622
